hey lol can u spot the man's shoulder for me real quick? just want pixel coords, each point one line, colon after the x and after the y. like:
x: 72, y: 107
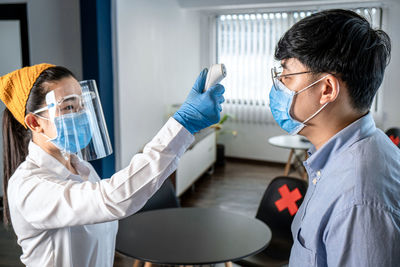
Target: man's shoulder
x: 377, y: 147
x: 376, y: 175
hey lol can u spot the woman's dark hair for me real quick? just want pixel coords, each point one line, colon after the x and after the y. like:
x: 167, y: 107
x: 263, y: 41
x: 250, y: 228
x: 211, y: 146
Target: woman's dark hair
x: 340, y: 42
x: 15, y: 137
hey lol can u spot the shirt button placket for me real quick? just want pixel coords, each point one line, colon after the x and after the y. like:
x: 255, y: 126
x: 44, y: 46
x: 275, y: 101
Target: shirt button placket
x: 315, y: 180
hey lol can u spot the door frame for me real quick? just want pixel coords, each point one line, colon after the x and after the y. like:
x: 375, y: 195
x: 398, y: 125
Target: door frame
x: 18, y: 12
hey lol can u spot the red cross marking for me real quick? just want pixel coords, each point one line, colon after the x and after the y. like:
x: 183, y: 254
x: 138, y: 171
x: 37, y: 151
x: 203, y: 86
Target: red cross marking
x: 288, y: 199
x: 395, y: 140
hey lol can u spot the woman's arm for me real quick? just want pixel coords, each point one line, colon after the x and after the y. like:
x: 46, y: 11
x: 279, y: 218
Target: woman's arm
x: 48, y: 202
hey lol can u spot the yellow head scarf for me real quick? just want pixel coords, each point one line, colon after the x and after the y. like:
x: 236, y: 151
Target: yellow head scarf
x: 16, y: 86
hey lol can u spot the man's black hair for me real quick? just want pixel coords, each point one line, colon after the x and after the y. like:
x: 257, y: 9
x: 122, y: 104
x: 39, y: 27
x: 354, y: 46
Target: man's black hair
x: 342, y: 43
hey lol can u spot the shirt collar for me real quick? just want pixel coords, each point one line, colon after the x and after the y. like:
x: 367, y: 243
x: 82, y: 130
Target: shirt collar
x: 360, y: 129
x: 45, y: 160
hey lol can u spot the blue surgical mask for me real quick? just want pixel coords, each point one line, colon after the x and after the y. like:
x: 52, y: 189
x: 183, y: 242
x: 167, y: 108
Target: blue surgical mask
x: 280, y: 103
x: 73, y: 132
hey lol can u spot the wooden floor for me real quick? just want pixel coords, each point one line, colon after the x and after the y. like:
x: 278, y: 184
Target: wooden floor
x: 236, y: 187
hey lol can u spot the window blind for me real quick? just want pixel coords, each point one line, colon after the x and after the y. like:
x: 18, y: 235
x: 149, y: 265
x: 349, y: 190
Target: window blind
x: 246, y: 45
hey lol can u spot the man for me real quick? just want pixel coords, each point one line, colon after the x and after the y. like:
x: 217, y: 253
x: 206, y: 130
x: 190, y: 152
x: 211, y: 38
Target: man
x: 333, y: 62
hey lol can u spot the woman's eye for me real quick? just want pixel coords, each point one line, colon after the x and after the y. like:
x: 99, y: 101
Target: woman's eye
x: 69, y: 107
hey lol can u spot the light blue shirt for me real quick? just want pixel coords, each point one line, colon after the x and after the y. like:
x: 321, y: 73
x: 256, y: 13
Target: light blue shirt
x: 350, y: 215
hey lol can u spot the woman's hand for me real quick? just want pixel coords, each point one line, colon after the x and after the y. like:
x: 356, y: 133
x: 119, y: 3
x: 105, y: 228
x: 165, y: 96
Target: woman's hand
x: 201, y: 109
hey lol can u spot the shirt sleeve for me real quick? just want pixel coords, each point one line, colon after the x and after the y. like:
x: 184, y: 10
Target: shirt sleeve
x: 364, y: 235
x: 48, y: 202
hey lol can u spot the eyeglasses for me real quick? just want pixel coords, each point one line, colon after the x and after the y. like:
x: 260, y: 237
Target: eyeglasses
x: 276, y: 73
x: 69, y: 104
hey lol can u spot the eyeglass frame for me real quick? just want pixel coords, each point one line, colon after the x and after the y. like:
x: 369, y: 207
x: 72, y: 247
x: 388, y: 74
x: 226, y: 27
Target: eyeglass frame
x: 47, y: 107
x: 274, y: 75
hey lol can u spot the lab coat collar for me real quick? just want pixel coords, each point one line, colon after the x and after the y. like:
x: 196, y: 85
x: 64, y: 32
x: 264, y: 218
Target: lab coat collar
x: 360, y: 129
x: 80, y: 166
x: 45, y: 160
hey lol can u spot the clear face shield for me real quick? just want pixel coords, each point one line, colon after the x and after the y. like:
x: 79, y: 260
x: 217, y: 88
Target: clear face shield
x: 78, y: 118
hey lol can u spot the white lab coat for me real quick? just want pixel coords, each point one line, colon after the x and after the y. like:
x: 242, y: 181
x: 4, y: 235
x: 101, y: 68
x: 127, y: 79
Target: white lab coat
x: 62, y: 219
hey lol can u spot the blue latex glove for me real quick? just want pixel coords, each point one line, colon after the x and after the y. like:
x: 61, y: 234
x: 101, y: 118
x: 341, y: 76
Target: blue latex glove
x: 201, y: 109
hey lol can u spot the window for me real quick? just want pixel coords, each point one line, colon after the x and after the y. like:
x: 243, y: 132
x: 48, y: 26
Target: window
x: 246, y: 45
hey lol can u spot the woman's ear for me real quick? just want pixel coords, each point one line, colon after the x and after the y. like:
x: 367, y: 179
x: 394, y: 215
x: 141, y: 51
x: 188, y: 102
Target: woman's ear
x: 33, y: 123
x: 330, y: 89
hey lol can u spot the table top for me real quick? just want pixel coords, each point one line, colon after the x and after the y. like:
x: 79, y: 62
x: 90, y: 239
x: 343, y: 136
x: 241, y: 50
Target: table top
x: 290, y: 142
x: 192, y: 236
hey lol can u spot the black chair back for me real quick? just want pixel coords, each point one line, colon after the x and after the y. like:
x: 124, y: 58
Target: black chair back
x: 394, y: 135
x: 164, y: 198
x: 280, y: 203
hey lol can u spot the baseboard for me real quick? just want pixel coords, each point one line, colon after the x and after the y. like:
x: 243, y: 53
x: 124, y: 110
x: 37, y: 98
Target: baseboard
x: 255, y: 161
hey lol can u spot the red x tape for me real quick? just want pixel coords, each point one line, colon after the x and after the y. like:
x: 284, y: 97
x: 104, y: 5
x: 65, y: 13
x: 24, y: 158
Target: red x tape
x: 288, y: 199
x: 395, y: 140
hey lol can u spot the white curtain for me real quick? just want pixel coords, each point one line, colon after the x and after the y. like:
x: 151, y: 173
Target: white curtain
x: 246, y: 45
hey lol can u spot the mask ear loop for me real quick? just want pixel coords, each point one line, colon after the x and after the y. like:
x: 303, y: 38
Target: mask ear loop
x: 27, y: 125
x: 321, y: 108
x: 48, y: 138
x: 64, y: 154
x: 307, y: 87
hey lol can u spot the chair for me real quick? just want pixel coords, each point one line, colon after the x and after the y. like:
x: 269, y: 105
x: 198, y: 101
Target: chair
x: 277, y: 209
x: 394, y: 135
x: 164, y: 198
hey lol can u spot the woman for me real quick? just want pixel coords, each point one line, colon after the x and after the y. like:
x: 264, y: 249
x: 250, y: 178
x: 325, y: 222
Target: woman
x: 61, y: 211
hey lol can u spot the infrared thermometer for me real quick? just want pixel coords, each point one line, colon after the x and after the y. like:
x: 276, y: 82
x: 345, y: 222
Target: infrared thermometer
x: 216, y: 73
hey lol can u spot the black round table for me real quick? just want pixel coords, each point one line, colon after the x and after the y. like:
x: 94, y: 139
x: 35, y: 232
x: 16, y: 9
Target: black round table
x: 191, y: 236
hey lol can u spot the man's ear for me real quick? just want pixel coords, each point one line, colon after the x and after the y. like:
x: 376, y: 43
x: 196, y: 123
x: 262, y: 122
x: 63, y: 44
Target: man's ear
x: 33, y: 123
x: 330, y: 89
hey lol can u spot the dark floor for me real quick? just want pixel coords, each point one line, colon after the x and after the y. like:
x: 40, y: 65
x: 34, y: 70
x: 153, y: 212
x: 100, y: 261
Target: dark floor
x: 9, y: 249
x: 236, y: 187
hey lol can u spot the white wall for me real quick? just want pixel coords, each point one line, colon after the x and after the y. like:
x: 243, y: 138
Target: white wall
x: 391, y: 86
x: 158, y: 59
